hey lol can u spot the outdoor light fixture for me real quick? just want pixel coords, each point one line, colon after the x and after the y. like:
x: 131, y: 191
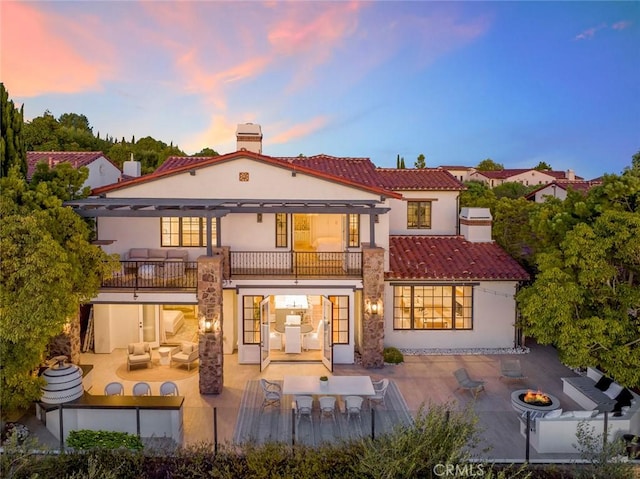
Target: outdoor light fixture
x: 207, y: 326
x: 259, y: 217
x: 374, y: 307
x: 192, y: 172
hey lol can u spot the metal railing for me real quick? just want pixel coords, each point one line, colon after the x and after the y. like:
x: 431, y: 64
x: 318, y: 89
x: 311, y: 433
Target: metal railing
x: 154, y: 275
x: 296, y: 264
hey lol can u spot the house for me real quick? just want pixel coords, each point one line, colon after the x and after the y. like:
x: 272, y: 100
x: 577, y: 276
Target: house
x: 102, y: 171
x: 559, y: 189
x: 461, y: 173
x: 527, y: 177
x: 269, y: 251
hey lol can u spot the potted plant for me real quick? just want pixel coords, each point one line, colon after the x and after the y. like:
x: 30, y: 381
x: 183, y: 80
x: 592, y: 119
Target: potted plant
x: 633, y: 445
x: 324, y: 381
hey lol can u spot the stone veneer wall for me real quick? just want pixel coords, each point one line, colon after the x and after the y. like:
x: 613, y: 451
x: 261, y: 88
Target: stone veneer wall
x: 67, y: 343
x: 372, y: 324
x: 210, y: 275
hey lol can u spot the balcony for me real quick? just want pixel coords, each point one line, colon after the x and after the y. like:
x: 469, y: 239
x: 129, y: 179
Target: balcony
x: 183, y: 276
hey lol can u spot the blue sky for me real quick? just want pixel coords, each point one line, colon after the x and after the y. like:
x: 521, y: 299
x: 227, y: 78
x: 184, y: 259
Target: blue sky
x: 518, y: 82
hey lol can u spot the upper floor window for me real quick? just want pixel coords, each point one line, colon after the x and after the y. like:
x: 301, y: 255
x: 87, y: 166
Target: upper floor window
x: 282, y: 237
x: 433, y: 307
x: 354, y: 230
x: 185, y: 231
x: 418, y: 214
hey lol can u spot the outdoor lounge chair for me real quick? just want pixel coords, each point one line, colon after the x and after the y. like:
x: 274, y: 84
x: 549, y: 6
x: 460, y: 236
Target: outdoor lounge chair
x: 466, y: 383
x: 511, y: 369
x: 187, y: 353
x: 271, y: 392
x: 138, y: 353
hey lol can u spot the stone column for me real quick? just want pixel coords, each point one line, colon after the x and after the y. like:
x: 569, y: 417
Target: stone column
x: 373, y: 293
x: 210, y: 306
x: 67, y: 343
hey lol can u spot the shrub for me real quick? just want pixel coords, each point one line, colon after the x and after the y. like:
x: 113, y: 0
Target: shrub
x: 86, y: 439
x: 392, y: 355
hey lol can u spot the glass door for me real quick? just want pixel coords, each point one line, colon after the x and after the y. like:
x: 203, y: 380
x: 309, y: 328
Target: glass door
x: 149, y: 324
x: 327, y: 341
x: 265, y: 359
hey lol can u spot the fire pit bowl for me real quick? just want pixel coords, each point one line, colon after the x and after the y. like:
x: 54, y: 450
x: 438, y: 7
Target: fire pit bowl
x: 524, y: 400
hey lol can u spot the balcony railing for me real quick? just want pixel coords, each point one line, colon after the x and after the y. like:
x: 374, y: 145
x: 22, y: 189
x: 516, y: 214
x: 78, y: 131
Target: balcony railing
x: 154, y: 275
x: 183, y: 275
x: 296, y: 264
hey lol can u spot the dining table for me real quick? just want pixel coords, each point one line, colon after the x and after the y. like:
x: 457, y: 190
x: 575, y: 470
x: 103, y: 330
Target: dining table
x: 335, y: 386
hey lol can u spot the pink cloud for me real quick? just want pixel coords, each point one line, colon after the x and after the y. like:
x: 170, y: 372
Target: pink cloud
x: 621, y: 25
x: 49, y: 53
x: 589, y: 32
x: 300, y: 130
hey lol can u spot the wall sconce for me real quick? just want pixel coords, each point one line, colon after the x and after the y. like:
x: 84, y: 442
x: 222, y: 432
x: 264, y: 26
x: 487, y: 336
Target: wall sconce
x: 259, y: 217
x: 373, y: 307
x: 208, y: 326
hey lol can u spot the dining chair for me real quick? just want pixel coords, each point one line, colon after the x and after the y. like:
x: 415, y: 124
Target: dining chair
x: 380, y: 388
x: 353, y: 406
x: 141, y: 389
x: 168, y: 388
x: 114, y: 389
x: 304, y: 408
x: 327, y: 407
x: 271, y: 394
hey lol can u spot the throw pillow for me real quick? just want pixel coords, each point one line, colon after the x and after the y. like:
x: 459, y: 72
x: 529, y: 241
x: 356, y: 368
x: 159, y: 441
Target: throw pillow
x: 554, y: 413
x: 187, y: 348
x: 138, y: 348
x: 604, y: 383
x: 613, y: 390
x: 624, y: 398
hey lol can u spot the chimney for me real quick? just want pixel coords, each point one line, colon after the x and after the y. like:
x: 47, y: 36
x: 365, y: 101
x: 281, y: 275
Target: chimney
x: 249, y: 138
x: 475, y: 224
x: 571, y: 176
x: 132, y: 168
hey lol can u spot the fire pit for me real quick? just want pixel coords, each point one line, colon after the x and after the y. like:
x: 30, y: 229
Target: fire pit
x: 535, y: 401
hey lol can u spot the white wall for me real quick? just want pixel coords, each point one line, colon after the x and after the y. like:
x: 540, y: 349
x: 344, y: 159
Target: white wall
x: 102, y: 172
x: 115, y: 326
x: 493, y: 322
x: 444, y: 211
x: 552, y: 191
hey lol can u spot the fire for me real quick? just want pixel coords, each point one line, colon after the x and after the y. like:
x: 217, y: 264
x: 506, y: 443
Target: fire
x: 537, y: 397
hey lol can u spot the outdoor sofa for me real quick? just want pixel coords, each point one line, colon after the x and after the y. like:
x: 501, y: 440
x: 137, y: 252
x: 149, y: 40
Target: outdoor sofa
x: 154, y: 262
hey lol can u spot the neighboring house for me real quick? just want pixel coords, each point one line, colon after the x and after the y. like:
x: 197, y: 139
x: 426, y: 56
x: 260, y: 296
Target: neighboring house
x: 365, y: 256
x: 102, y: 171
x: 461, y: 173
x: 527, y: 177
x: 558, y: 189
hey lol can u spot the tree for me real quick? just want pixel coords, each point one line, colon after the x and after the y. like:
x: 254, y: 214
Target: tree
x: 543, y: 166
x: 49, y: 268
x: 207, y: 152
x: 512, y: 189
x: 635, y: 161
x: 489, y: 165
x: 12, y: 148
x: 73, y: 120
x: 420, y: 161
x: 585, y: 299
x: 41, y: 133
x: 477, y: 195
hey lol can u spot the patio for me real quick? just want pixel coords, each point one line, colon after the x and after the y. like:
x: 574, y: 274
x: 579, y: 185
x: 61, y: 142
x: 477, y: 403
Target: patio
x: 420, y: 380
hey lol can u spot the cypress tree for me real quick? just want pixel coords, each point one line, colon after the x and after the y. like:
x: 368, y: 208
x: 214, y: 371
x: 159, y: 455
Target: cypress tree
x: 12, y: 150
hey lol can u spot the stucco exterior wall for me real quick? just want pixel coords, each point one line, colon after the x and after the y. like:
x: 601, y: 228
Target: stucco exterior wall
x: 101, y: 173
x: 444, y: 209
x: 493, y: 322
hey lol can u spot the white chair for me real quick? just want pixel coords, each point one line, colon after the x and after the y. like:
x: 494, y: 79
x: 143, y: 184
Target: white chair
x: 304, y: 408
x: 187, y: 353
x: 138, y: 353
x: 141, y: 389
x: 292, y: 339
x: 114, y: 389
x: 271, y: 394
x: 511, y: 369
x: 353, y: 406
x: 275, y: 340
x: 168, y: 388
x: 380, y: 388
x: 313, y: 340
x: 327, y: 407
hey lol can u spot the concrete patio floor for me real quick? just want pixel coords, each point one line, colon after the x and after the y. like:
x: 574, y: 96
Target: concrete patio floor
x: 421, y: 380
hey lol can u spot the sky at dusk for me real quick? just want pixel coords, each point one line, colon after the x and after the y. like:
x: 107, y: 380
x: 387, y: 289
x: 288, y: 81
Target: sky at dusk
x: 518, y: 82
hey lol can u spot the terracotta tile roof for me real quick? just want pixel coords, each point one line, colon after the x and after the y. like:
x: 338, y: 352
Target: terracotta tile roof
x: 76, y: 158
x: 180, y: 164
x: 581, y: 186
x: 359, y: 170
x: 418, y: 179
x: 450, y: 258
x: 509, y: 172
